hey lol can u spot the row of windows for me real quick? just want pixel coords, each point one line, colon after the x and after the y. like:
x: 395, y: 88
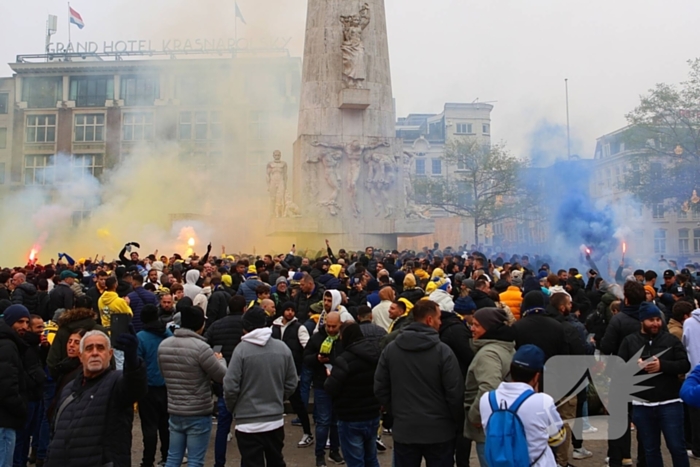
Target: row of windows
x: 40, y: 169
x: 683, y: 241
x: 658, y: 211
x: 468, y: 129
x: 435, y: 166
x: 138, y: 126
x: 90, y: 91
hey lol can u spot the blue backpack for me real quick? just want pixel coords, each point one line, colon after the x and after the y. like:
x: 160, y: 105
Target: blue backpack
x: 506, y: 443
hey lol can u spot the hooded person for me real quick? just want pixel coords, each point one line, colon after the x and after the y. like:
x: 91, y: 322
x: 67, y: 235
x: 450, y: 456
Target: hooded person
x: 691, y: 338
x: 260, y: 377
x: 191, y: 288
x: 442, y: 295
x: 410, y: 289
x: 335, y: 304
x: 247, y: 288
x: 380, y: 313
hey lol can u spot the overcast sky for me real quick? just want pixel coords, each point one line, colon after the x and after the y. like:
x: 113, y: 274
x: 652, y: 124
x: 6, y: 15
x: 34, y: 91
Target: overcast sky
x: 515, y: 52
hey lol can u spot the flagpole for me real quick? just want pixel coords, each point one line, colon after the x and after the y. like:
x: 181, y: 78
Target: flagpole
x: 235, y: 27
x: 69, y: 23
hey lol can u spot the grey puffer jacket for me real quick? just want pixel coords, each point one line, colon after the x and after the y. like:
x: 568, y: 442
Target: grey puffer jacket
x: 188, y: 366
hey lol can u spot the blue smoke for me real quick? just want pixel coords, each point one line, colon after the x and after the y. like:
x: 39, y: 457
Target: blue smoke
x: 548, y: 144
x: 579, y: 222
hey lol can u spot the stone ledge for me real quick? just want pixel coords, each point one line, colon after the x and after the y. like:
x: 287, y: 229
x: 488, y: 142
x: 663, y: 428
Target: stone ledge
x: 355, y: 99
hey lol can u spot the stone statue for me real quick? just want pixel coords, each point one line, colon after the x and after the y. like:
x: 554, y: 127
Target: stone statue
x: 413, y: 211
x: 354, y: 152
x: 331, y: 161
x: 381, y: 176
x: 277, y: 183
x: 291, y: 209
x: 354, y: 69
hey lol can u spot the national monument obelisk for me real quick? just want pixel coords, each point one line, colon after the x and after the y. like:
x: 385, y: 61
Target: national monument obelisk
x: 350, y: 175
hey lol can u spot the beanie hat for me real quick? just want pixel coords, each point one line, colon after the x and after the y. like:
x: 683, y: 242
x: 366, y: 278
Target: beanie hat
x: 409, y: 282
x: 431, y: 287
x: 465, y: 305
x: 14, y: 313
x: 227, y: 280
x: 517, y: 281
x: 149, y: 313
x: 532, y: 300
x: 651, y: 290
x: 491, y: 318
x: 542, y: 275
x: 253, y: 319
x: 445, y: 285
x: 191, y: 318
x: 648, y: 310
x: 281, y: 279
x: 351, y: 334
x: 288, y: 305
x: 469, y: 283
x: 252, y: 272
x: 517, y: 274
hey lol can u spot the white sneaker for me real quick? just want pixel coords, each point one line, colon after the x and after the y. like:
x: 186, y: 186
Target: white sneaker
x: 306, y: 440
x: 184, y: 460
x: 692, y: 456
x: 582, y: 453
x: 591, y: 429
x: 229, y: 437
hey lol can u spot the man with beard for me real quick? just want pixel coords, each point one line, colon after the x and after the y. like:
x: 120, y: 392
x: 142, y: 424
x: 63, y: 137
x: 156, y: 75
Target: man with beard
x: 660, y: 409
x: 153, y: 407
x: 97, y: 407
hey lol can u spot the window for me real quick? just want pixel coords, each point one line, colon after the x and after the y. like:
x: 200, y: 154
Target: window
x: 38, y: 169
x: 464, y: 128
x: 91, y: 91
x: 622, y: 147
x: 606, y: 150
x: 696, y: 240
x: 140, y: 90
x: 42, y: 92
x: 436, y: 166
x: 657, y: 211
x: 3, y: 138
x: 660, y: 241
x: 83, y: 212
x: 486, y: 128
x: 420, y: 166
x: 137, y: 126
x: 4, y: 100
x: 89, y: 127
x: 200, y: 125
x: 41, y: 128
x: 258, y: 126
x: 83, y: 165
x: 683, y: 241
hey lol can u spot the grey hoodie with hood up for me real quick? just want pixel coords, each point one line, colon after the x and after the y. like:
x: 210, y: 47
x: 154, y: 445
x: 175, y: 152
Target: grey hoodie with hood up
x: 691, y: 338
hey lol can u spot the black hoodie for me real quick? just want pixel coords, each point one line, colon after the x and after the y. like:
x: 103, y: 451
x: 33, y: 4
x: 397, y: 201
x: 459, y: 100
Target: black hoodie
x: 13, y: 406
x: 419, y: 381
x: 621, y: 325
x: 351, y: 382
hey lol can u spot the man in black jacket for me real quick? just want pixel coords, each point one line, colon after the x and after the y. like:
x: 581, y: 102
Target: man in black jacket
x: 351, y: 385
x: 13, y: 404
x: 289, y: 330
x: 61, y: 297
x: 663, y: 355
x: 480, y: 295
x: 96, y: 291
x: 97, y: 407
x: 227, y: 333
x: 538, y: 326
x: 626, y: 322
x: 418, y: 379
x: 24, y: 293
x: 309, y: 294
x: 319, y: 357
x: 217, y: 306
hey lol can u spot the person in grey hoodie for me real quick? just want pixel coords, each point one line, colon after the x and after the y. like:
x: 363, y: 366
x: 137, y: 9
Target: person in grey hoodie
x: 691, y: 341
x: 189, y: 366
x: 260, y: 376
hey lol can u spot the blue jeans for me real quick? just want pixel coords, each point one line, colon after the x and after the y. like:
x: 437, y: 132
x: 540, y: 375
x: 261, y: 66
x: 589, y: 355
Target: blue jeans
x: 306, y: 376
x: 23, y: 436
x: 191, y: 433
x: 223, y: 428
x: 359, y: 442
x: 666, y: 419
x: 481, y: 454
x: 7, y: 446
x: 325, y: 422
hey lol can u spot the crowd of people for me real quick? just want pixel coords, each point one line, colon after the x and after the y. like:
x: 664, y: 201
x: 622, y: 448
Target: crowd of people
x: 444, y: 350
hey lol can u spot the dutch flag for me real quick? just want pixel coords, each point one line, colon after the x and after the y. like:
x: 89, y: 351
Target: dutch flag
x: 75, y: 18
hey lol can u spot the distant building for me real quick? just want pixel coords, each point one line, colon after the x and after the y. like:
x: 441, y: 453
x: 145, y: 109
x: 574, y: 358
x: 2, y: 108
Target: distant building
x: 223, y: 110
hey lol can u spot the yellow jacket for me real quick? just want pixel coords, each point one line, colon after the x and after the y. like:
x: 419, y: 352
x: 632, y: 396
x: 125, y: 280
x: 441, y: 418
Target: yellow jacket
x: 513, y: 297
x: 110, y: 303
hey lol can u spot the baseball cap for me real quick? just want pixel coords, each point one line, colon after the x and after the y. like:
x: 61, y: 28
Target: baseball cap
x: 669, y: 273
x: 529, y: 356
x: 678, y: 291
x: 65, y: 274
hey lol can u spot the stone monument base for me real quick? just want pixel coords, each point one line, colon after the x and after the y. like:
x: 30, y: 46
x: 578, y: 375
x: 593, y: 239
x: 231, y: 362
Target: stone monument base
x: 353, y: 234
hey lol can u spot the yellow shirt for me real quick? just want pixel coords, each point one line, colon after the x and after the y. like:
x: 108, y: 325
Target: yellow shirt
x: 110, y: 303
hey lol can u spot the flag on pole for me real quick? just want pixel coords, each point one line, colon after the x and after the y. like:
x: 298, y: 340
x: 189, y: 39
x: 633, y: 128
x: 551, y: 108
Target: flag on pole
x: 239, y: 14
x: 75, y: 18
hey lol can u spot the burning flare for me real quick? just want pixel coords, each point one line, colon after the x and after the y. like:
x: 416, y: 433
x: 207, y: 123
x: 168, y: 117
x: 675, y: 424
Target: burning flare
x: 190, y: 242
x: 624, y: 247
x: 32, y: 255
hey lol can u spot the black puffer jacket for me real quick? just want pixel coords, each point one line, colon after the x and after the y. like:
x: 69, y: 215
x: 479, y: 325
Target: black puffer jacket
x: 304, y: 302
x: 351, y: 382
x: 95, y: 428
x: 13, y: 406
x: 621, y: 325
x: 482, y: 300
x: 227, y: 333
x: 70, y: 321
x: 543, y: 330
x: 311, y: 352
x: 455, y: 333
x: 373, y: 333
x: 666, y: 385
x: 413, y: 295
x: 217, y: 306
x: 26, y: 294
x: 60, y: 297
x: 33, y: 363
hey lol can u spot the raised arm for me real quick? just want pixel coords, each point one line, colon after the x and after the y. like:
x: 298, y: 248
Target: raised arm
x: 364, y: 16
x: 327, y: 145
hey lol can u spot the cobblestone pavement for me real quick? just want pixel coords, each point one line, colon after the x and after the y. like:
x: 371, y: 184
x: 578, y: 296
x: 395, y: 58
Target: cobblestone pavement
x: 305, y: 456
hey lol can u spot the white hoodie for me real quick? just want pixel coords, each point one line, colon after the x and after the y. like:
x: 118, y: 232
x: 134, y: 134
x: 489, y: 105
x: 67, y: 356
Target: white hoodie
x: 335, y: 306
x: 258, y: 336
x: 691, y: 338
x: 191, y: 288
x: 443, y: 299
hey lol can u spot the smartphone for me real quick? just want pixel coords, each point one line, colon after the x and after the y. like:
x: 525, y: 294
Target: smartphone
x: 119, y: 325
x: 217, y: 348
x: 294, y: 245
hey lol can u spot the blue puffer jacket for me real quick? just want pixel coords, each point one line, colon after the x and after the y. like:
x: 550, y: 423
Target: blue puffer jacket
x: 247, y: 289
x: 690, y: 392
x: 149, y: 339
x: 137, y: 300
